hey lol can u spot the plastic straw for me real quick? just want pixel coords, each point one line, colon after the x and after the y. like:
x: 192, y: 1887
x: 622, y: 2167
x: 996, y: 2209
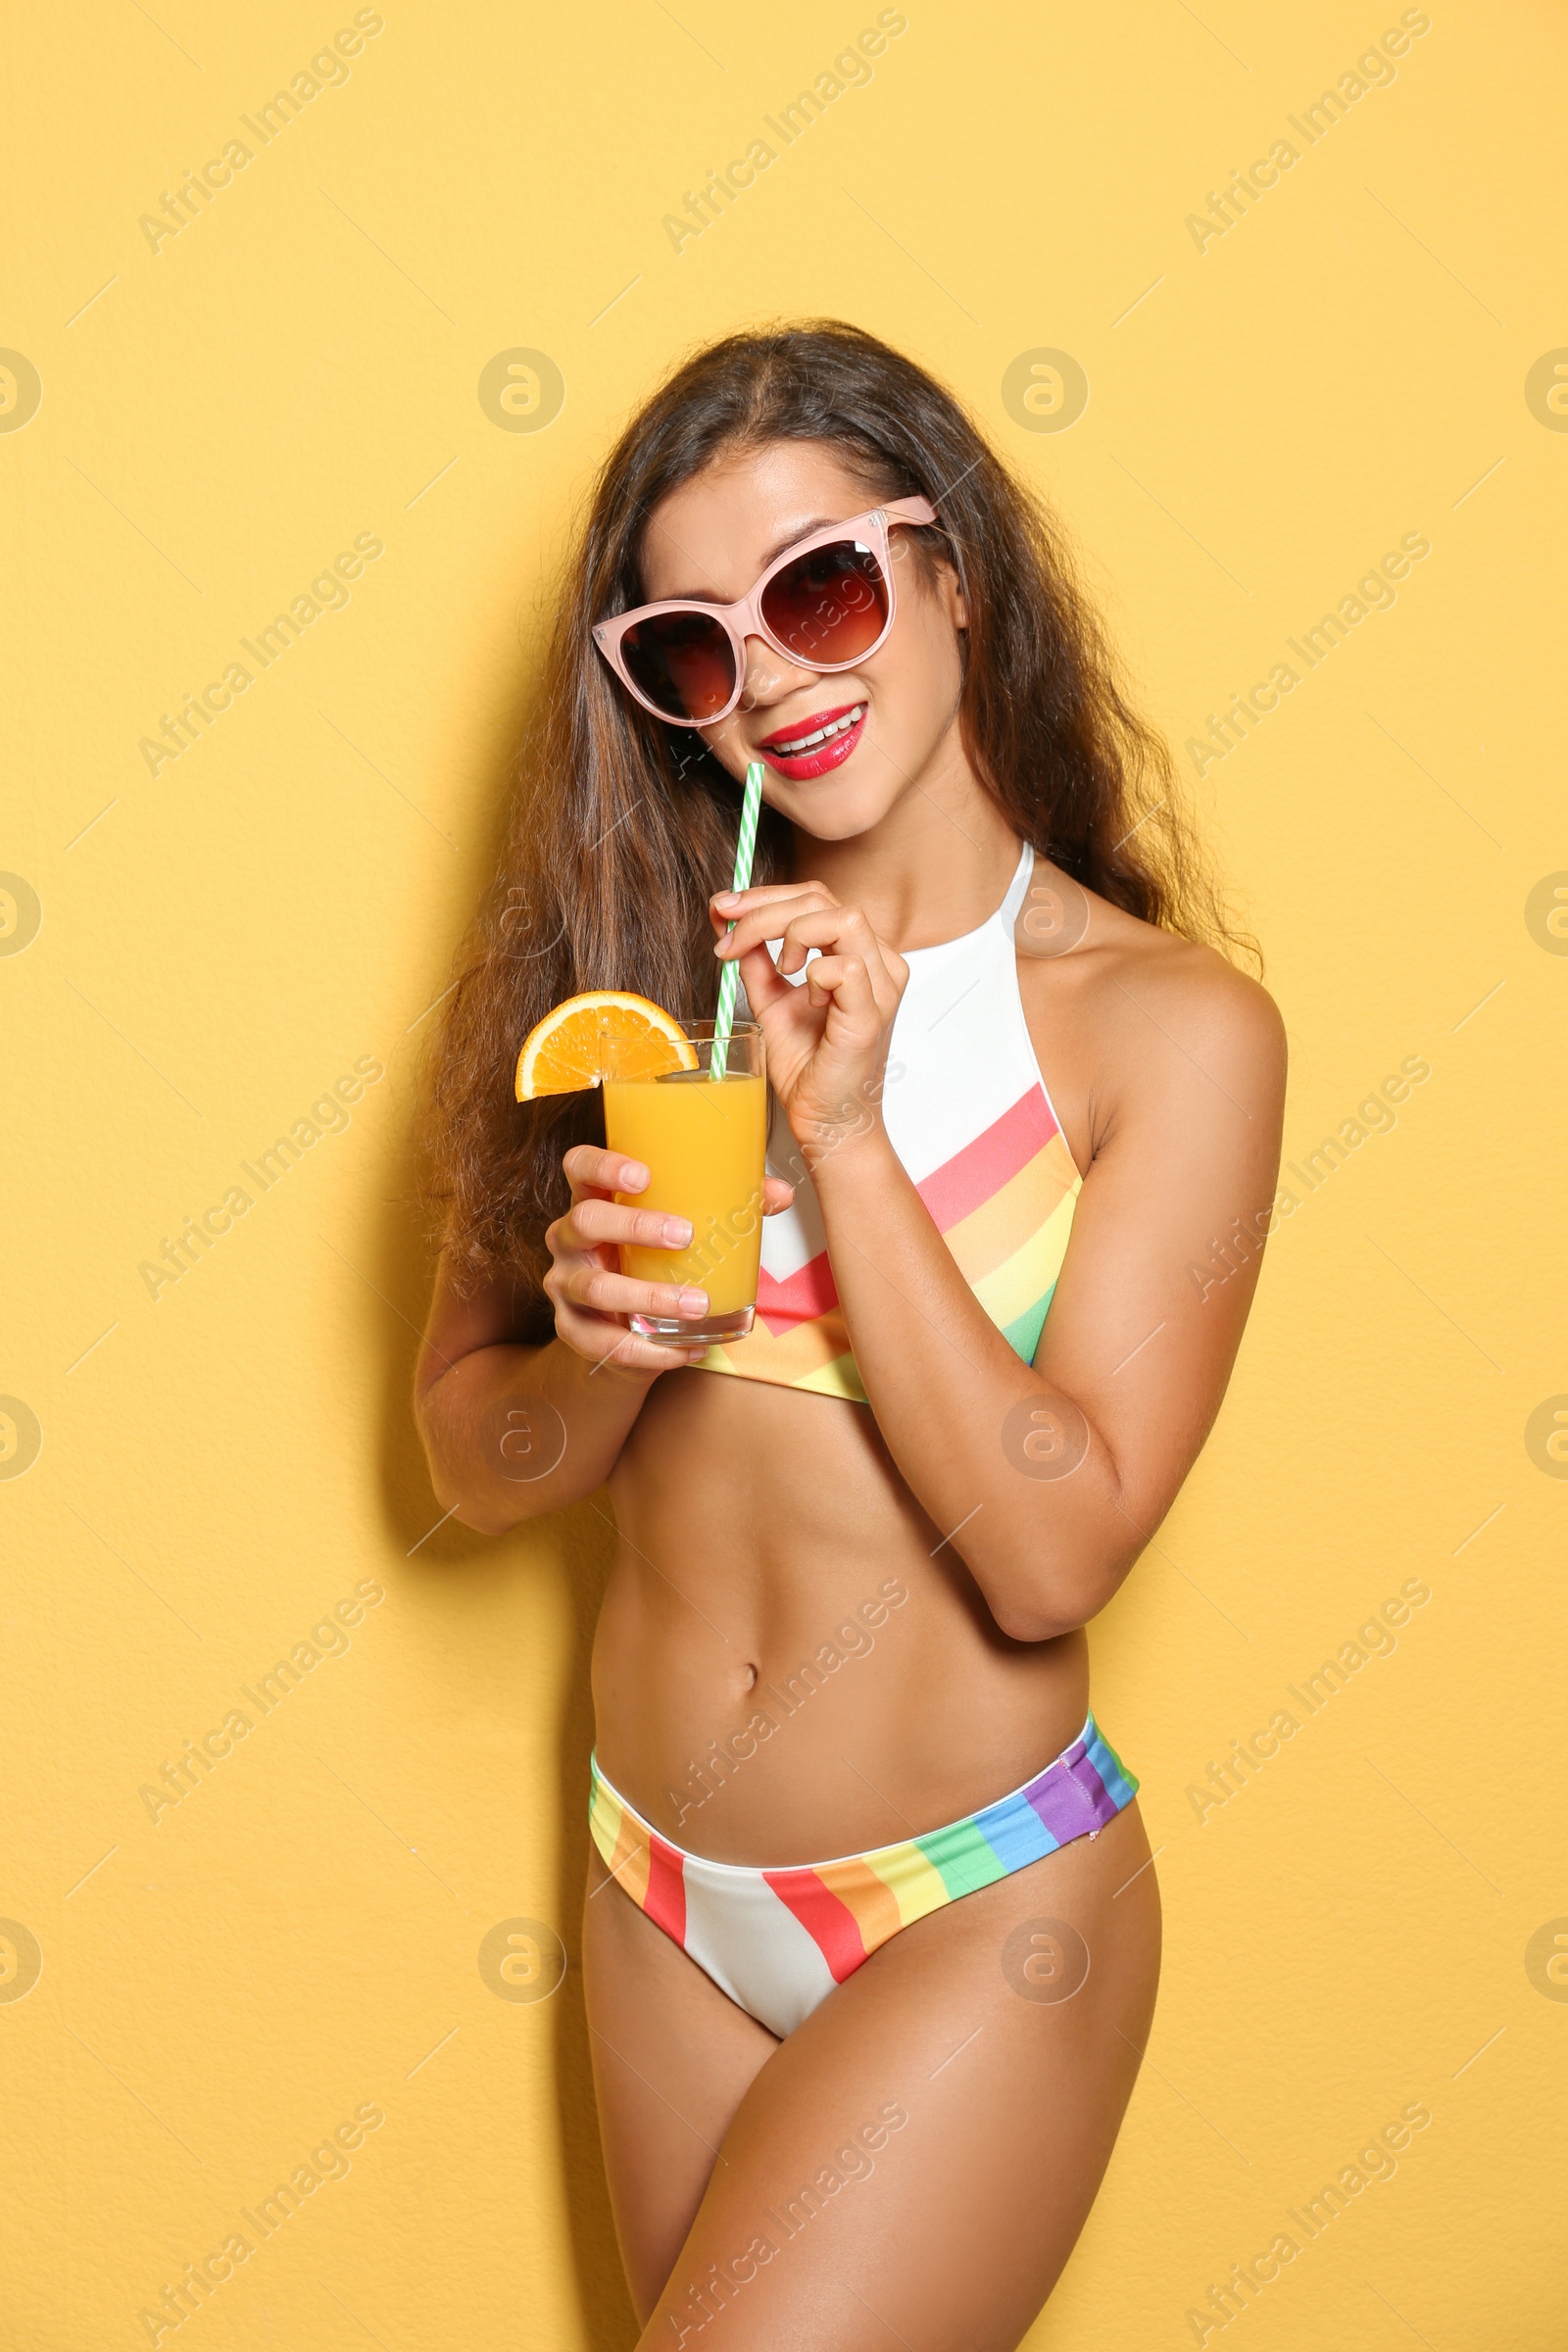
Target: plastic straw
x: 745, y: 850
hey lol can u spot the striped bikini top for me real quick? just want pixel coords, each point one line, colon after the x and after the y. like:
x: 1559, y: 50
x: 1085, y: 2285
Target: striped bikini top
x: 968, y: 1113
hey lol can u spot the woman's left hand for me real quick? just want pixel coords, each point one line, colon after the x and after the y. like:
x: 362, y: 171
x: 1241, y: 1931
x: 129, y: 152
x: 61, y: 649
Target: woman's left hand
x: 826, y: 1042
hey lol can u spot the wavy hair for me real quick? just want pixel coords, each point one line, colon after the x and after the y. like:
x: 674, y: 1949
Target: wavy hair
x: 619, y: 824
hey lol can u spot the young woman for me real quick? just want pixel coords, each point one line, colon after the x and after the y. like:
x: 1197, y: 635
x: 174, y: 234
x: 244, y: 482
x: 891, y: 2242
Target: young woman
x: 871, y: 1935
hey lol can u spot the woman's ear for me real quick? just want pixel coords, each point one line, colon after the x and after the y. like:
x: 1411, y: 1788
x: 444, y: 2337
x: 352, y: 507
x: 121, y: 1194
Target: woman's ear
x: 937, y: 573
x: 951, y: 590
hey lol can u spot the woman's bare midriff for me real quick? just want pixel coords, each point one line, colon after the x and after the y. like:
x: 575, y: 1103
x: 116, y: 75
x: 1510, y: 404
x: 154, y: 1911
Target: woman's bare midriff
x: 772, y: 1564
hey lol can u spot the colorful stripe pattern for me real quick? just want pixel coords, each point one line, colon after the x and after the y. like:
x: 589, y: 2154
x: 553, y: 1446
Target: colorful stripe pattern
x: 778, y: 1940
x: 1004, y: 1204
x: 969, y: 1114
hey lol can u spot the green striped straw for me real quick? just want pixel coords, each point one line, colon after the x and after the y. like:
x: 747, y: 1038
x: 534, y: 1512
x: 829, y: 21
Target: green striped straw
x: 745, y: 850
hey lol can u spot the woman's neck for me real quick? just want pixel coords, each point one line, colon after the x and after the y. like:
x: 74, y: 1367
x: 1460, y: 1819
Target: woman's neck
x: 937, y: 865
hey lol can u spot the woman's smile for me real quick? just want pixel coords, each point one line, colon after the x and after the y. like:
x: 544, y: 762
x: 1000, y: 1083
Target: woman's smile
x: 816, y: 743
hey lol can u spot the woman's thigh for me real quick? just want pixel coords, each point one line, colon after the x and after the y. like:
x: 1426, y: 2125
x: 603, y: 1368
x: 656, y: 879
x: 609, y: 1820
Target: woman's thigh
x: 673, y: 2057
x: 917, y: 2159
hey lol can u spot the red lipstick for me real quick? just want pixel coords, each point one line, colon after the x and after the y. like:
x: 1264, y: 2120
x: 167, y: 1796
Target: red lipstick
x: 818, y: 758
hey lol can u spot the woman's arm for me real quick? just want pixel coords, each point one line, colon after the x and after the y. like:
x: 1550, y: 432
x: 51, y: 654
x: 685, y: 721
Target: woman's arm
x: 513, y: 1430
x: 1048, y: 1480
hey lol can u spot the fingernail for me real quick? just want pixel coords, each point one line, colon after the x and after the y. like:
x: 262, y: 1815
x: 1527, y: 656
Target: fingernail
x: 678, y: 1232
x: 633, y: 1176
x: 726, y: 898
x: 693, y: 1302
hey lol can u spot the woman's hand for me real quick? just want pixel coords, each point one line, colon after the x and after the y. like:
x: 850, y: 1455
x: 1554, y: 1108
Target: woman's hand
x: 585, y: 1286
x: 827, y: 1043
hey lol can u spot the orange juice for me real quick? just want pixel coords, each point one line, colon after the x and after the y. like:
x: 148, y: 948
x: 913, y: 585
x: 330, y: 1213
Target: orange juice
x: 703, y: 1141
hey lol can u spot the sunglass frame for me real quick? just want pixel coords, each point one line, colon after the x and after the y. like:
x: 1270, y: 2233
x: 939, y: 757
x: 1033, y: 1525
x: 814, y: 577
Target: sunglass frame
x: 744, y: 619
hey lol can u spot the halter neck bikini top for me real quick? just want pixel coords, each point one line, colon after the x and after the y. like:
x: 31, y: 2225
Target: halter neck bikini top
x: 969, y: 1116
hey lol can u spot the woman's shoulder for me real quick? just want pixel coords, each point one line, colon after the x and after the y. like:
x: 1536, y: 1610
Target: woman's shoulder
x: 1097, y: 948
x: 1143, y: 1008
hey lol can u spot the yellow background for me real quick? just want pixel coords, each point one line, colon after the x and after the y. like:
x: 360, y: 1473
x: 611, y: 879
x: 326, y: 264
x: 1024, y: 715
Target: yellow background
x: 220, y: 942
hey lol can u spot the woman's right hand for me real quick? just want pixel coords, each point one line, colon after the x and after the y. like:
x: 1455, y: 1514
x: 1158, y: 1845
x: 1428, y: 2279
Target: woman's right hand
x: 585, y: 1285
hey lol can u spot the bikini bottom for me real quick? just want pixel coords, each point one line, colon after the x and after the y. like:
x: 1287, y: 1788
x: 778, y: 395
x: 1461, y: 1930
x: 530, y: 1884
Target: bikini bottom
x: 778, y: 1940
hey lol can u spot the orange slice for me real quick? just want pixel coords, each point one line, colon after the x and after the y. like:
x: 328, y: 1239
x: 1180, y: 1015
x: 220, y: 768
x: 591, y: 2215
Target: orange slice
x: 570, y: 1048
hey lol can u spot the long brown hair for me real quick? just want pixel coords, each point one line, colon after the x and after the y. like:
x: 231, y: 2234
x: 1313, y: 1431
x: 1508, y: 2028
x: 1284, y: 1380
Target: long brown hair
x: 621, y: 826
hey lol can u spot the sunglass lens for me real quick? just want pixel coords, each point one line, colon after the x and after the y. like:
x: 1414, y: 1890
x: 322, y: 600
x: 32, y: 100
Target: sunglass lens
x: 830, y: 604
x: 684, y: 664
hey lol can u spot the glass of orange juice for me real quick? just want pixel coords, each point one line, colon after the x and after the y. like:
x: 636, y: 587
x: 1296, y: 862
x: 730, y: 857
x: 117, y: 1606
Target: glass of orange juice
x: 703, y: 1141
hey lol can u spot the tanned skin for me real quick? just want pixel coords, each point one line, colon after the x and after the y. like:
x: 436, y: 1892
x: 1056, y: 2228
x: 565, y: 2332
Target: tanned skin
x: 753, y: 1520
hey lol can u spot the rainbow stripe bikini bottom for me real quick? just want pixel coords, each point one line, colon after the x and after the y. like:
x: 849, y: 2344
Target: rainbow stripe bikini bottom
x: 778, y: 1940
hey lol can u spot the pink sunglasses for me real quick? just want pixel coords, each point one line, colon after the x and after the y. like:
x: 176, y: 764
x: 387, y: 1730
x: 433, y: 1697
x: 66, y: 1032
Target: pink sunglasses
x: 826, y: 602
